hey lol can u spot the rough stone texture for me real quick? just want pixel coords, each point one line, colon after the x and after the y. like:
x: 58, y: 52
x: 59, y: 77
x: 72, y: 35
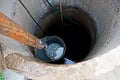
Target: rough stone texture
x: 103, y: 61
x: 104, y: 67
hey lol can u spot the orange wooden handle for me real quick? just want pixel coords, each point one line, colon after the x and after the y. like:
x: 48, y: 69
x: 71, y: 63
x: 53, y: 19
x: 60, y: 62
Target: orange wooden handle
x: 16, y: 31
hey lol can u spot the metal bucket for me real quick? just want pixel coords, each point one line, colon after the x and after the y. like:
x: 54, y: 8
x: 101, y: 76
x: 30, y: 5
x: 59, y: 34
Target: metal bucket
x: 44, y: 54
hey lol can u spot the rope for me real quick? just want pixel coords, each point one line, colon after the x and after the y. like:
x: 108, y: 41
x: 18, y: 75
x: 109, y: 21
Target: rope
x: 58, y: 12
x: 31, y: 16
x: 53, y: 8
x: 61, y: 11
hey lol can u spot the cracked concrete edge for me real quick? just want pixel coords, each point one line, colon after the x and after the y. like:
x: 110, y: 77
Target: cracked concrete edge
x: 87, y: 70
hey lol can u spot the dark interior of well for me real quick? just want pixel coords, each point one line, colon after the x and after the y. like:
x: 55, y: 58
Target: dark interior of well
x: 76, y: 37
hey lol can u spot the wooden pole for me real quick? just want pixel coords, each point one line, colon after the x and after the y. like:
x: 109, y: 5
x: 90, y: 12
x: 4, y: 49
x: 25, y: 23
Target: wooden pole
x: 17, y: 32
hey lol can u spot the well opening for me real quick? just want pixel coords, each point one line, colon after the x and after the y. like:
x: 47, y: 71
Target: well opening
x: 79, y: 38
